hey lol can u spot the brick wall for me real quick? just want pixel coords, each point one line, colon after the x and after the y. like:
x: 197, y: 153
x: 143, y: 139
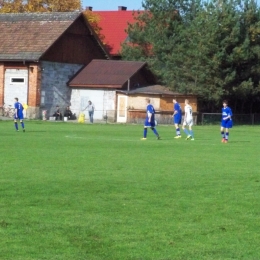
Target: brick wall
x: 34, y: 91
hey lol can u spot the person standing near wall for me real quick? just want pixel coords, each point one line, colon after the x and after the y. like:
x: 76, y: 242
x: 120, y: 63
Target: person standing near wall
x: 91, y: 109
x: 18, y: 114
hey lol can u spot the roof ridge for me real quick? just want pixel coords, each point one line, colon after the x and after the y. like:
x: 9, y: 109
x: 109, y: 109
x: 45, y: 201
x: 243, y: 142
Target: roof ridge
x: 117, y: 61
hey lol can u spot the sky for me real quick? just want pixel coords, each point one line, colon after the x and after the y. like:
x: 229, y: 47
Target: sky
x: 112, y: 5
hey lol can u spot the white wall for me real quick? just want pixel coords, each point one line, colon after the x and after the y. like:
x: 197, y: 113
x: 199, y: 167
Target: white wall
x: 104, y: 101
x: 12, y: 90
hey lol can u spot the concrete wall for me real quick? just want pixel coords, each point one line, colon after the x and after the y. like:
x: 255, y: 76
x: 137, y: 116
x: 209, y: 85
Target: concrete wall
x: 54, y: 90
x: 103, y: 100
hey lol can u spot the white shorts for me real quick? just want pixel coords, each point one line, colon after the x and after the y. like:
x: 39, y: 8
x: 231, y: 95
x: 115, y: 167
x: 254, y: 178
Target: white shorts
x: 188, y: 122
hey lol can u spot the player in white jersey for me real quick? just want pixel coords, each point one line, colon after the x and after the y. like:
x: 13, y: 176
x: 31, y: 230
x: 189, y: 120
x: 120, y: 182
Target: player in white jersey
x: 188, y: 120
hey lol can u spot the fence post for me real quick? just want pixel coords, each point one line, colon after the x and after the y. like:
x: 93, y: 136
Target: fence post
x: 202, y: 118
x: 106, y: 116
x: 253, y: 119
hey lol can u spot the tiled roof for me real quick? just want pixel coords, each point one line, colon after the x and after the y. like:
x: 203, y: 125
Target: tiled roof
x: 107, y: 73
x: 114, y: 24
x: 27, y: 36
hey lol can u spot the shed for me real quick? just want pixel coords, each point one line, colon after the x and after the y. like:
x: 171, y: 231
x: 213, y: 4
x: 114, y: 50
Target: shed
x: 99, y: 81
x: 118, y: 90
x: 161, y: 98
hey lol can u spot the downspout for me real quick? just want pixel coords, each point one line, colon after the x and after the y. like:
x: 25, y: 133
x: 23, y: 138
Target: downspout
x: 128, y: 85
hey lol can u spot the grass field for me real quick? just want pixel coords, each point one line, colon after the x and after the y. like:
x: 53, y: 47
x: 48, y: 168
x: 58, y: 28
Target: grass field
x: 94, y: 192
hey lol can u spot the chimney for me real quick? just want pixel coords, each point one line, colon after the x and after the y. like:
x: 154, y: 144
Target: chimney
x: 122, y: 8
x: 89, y: 8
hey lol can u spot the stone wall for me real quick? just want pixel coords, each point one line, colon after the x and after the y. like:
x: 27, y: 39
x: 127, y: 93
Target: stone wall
x: 54, y: 90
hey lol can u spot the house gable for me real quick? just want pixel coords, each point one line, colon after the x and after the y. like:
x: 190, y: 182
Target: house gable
x: 78, y: 44
x: 28, y: 36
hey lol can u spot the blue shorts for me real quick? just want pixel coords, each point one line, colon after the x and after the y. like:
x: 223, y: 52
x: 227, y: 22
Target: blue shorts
x: 227, y: 123
x: 149, y: 124
x: 19, y: 116
x: 177, y: 120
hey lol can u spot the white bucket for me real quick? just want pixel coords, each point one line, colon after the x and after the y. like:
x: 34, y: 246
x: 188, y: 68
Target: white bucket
x: 65, y: 119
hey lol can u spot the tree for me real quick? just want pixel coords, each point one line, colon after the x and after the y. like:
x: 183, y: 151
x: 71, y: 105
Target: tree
x: 206, y: 48
x: 20, y: 6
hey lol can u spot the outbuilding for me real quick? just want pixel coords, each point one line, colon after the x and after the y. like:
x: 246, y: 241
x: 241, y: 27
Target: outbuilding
x: 118, y: 90
x: 39, y: 53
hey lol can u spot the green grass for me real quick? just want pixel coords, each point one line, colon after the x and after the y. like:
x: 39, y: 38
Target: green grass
x: 94, y: 192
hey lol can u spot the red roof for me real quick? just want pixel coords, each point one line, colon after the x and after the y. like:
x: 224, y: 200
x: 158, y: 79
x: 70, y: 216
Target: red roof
x: 114, y: 24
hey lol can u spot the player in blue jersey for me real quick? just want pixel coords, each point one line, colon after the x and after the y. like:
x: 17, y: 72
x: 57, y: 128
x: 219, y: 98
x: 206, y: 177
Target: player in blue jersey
x: 226, y: 122
x: 150, y: 120
x: 177, y: 115
x: 18, y: 114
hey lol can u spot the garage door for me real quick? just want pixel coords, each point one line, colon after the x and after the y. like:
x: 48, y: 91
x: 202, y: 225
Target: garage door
x: 16, y: 85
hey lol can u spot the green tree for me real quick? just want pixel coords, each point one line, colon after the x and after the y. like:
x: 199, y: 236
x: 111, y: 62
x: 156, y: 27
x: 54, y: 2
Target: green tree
x: 210, y: 49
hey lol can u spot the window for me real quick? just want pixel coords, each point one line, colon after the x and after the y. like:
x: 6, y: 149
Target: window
x: 17, y: 80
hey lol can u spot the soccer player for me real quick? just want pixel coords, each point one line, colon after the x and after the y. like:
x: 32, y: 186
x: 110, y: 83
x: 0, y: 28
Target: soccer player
x: 18, y: 114
x: 188, y: 120
x: 149, y: 120
x: 177, y: 115
x: 226, y: 122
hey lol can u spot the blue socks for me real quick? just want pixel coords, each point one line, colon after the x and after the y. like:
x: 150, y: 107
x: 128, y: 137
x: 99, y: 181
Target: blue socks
x: 16, y: 125
x: 145, y: 132
x: 154, y: 130
x: 178, y: 132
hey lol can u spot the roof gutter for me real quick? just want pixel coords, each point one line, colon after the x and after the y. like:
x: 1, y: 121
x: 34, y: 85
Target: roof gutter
x: 23, y: 61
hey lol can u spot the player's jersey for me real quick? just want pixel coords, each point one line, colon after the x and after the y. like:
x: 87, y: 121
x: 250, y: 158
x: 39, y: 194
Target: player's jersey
x: 150, y: 110
x: 188, y: 112
x: 19, y: 107
x: 177, y: 108
x: 226, y: 112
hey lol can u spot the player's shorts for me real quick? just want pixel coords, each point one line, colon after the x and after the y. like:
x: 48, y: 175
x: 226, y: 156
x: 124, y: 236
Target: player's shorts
x: 177, y: 120
x: 188, y: 122
x: 149, y: 124
x: 227, y: 123
x: 19, y: 116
